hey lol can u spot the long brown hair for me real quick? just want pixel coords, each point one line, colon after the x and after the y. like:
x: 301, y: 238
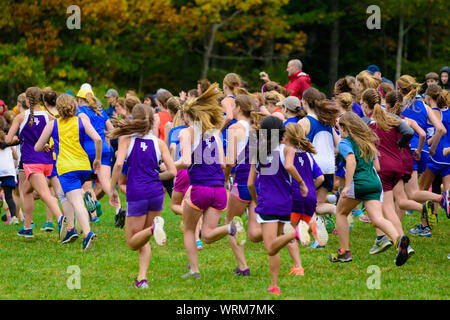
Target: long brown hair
x: 233, y: 81
x: 441, y: 97
x: 246, y: 103
x: 141, y: 123
x: 296, y: 136
x: 49, y: 97
x: 92, y: 104
x: 345, y: 99
x: 66, y: 106
x: 325, y: 110
x: 384, y: 121
x: 34, y: 95
x: 367, y: 81
x: 206, y: 109
x: 394, y: 102
x: 360, y: 133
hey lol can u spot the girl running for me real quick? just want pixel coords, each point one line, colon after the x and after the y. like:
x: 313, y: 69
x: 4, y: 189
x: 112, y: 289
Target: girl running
x: 361, y: 184
x: 90, y: 110
x: 394, y: 134
x: 275, y: 165
x: 202, y: 153
x: 37, y: 165
x: 72, y: 162
x: 145, y: 192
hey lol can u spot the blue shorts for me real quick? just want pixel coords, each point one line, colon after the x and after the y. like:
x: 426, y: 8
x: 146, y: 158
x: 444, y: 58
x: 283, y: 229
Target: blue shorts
x: 421, y: 165
x: 54, y: 172
x: 438, y: 169
x: 142, y: 207
x: 8, y: 181
x: 328, y: 183
x: 106, y: 158
x: 241, y: 192
x: 125, y: 167
x: 73, y: 180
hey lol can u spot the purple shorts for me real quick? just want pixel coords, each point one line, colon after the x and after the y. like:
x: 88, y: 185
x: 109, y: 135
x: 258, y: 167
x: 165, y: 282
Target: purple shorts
x: 142, y: 207
x: 182, y: 181
x: 204, y: 197
x: 307, y: 207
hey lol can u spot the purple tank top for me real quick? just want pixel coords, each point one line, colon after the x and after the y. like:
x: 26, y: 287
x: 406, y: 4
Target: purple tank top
x: 29, y: 135
x: 308, y: 170
x: 143, y: 168
x: 274, y: 194
x: 205, y: 169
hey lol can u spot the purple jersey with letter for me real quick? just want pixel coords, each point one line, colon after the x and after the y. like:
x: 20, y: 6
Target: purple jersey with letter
x: 243, y: 156
x: 29, y: 135
x: 308, y: 170
x: 274, y: 194
x: 205, y: 169
x: 143, y: 168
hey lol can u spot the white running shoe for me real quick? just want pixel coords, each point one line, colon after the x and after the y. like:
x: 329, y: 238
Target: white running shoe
x: 158, y: 231
x: 322, y: 233
x: 305, y: 239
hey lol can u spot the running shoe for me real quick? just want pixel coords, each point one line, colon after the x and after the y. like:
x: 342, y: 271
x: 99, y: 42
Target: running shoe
x: 357, y: 213
x: 410, y: 251
x: 48, y: 226
x: 428, y: 215
x: 364, y: 218
x: 26, y: 233
x: 120, y: 218
x: 94, y: 219
x: 445, y: 202
x: 89, y: 202
x: 143, y: 284
x: 340, y: 256
x: 158, y: 231
x: 302, y: 233
x: 88, y: 241
x: 275, y: 290
x: 63, y: 225
x: 98, y: 208
x: 329, y: 222
x: 322, y: 234
x: 402, y: 252
x: 420, y: 230
x: 237, y: 230
x: 4, y: 218
x: 316, y: 245
x: 191, y: 274
x: 14, y: 221
x: 244, y: 273
x: 409, y: 212
x: 199, y: 245
x: 381, y: 245
x: 8, y: 221
x: 297, y: 271
x: 71, y: 236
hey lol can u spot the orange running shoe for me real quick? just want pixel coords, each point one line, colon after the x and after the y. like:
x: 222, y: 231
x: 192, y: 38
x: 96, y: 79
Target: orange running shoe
x: 297, y: 271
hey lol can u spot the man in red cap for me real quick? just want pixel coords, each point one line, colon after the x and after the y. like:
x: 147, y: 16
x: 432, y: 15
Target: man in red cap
x: 298, y: 80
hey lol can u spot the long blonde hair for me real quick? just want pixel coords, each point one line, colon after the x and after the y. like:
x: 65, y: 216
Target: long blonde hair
x: 384, y: 121
x: 367, y: 81
x: 206, y: 108
x: 141, y: 123
x: 409, y: 88
x: 361, y: 134
x: 296, y: 136
x: 66, y: 106
x: 345, y: 99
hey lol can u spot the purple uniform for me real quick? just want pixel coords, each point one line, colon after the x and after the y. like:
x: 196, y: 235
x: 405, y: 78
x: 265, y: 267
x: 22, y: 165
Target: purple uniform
x: 274, y: 194
x: 243, y: 156
x: 145, y: 190
x: 308, y: 170
x: 29, y: 135
x: 207, y: 188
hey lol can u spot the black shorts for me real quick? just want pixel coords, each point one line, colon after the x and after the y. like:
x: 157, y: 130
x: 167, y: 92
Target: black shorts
x: 328, y: 183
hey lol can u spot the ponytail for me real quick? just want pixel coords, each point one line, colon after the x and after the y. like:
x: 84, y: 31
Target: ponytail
x: 34, y: 97
x: 92, y: 104
x: 141, y: 123
x: 326, y: 112
x: 372, y: 98
x: 296, y: 136
x: 394, y: 102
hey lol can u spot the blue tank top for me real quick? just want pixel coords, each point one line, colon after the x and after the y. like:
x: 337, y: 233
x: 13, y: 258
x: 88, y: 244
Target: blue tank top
x: 417, y: 112
x: 143, y: 168
x: 445, y: 140
x: 174, y: 137
x: 99, y: 124
x: 29, y: 135
x: 292, y: 120
x: 321, y: 136
x: 225, y: 131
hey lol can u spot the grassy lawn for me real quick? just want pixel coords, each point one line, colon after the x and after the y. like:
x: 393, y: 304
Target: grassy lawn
x: 37, y: 268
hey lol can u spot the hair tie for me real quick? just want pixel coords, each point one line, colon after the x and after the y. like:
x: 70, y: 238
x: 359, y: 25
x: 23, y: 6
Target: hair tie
x: 236, y: 85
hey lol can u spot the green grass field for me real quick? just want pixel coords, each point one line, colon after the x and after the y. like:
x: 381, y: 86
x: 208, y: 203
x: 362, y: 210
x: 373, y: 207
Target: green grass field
x: 37, y: 268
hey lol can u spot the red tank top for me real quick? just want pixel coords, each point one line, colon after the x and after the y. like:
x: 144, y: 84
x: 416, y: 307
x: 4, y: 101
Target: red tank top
x: 164, y: 117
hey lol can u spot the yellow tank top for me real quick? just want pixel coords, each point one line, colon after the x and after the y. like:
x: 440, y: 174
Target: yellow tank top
x: 68, y: 146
